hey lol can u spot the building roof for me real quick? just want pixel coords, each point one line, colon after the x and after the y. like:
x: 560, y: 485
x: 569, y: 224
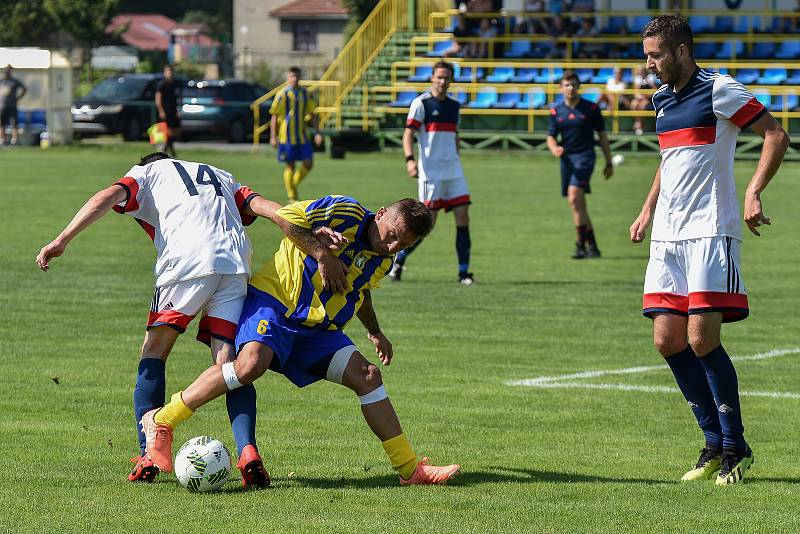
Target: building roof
x: 151, y: 31
x: 311, y: 9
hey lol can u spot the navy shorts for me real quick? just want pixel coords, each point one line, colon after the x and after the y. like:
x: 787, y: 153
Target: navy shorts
x: 9, y: 117
x: 302, y: 354
x: 577, y: 169
x: 287, y: 152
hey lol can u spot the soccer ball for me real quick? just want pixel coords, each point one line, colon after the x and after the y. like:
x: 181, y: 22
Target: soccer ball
x: 617, y: 160
x: 203, y: 464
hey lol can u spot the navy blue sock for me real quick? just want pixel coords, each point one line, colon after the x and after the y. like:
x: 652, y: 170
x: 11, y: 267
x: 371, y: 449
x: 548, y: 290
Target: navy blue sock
x: 401, y: 256
x: 241, y: 403
x: 149, y: 392
x: 691, y: 379
x: 724, y: 384
x: 463, y: 245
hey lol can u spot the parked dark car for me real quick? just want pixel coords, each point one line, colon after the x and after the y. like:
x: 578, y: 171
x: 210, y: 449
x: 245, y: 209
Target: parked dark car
x: 221, y: 108
x: 119, y: 104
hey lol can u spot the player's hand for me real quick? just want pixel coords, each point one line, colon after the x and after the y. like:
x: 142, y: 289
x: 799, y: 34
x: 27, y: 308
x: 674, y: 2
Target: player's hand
x: 411, y: 167
x: 558, y: 151
x: 608, y: 171
x: 318, y: 139
x: 753, y: 214
x: 162, y: 115
x: 331, y: 239
x: 383, y: 348
x: 53, y: 249
x: 273, y: 141
x: 333, y: 273
x: 639, y: 227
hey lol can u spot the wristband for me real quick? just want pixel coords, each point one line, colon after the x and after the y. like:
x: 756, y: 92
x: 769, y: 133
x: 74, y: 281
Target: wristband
x: 410, y: 158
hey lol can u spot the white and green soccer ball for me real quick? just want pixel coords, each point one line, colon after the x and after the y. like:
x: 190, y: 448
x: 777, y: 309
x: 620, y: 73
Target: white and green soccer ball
x: 617, y: 160
x: 203, y: 464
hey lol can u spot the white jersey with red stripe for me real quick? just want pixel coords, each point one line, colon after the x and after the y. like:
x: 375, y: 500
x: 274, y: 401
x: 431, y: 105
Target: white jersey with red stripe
x: 697, y: 129
x: 193, y: 213
x: 436, y: 122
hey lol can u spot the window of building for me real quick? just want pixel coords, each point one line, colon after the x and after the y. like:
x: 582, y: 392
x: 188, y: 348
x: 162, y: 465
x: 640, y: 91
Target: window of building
x: 305, y: 36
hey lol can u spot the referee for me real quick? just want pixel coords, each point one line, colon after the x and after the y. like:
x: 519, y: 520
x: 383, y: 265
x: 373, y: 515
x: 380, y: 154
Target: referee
x: 576, y: 119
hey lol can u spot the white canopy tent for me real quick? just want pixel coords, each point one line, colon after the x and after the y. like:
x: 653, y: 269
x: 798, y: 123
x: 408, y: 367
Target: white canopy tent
x: 46, y: 106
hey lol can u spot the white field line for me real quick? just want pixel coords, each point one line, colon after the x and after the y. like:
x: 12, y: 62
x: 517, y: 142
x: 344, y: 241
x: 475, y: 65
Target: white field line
x: 568, y: 380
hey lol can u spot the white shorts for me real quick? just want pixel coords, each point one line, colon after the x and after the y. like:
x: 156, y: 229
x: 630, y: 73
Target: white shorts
x: 217, y: 298
x: 446, y: 194
x: 695, y: 276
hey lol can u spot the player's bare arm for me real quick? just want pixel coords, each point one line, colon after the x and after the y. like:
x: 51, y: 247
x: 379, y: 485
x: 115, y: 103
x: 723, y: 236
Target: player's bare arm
x: 315, y: 125
x: 605, y: 146
x: 408, y: 150
x: 642, y: 222
x: 776, y: 141
x: 97, y: 206
x: 552, y: 145
x: 366, y: 314
x: 160, y: 107
x: 331, y: 269
x: 273, y: 130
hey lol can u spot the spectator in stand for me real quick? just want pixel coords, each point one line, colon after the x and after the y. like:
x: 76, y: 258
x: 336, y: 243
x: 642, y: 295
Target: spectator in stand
x: 533, y: 24
x: 558, y: 28
x: 486, y: 32
x: 582, y: 6
x: 790, y: 24
x: 642, y: 101
x: 460, y: 48
x: 589, y: 50
x: 477, y: 6
x: 613, y: 97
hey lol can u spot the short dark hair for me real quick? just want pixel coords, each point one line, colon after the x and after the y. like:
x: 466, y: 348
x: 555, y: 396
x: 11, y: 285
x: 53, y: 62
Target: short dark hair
x: 418, y: 218
x: 150, y: 158
x: 673, y: 30
x: 443, y: 65
x: 296, y: 71
x: 570, y: 76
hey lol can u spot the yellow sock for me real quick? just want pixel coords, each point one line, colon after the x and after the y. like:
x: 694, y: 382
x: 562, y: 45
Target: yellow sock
x: 401, y: 455
x: 288, y: 183
x: 174, y: 413
x: 299, y: 174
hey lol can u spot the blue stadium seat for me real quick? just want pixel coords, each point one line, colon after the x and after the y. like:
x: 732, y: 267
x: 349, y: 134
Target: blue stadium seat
x: 615, y: 24
x: 723, y: 24
x: 557, y: 99
x: 772, y: 77
x: 501, y: 75
x: 700, y: 23
x: 728, y: 47
x: 533, y: 99
x: 404, y: 99
x: 421, y: 74
x: 439, y: 48
x: 778, y: 101
x: 37, y: 117
x: 506, y: 101
x: 485, y: 98
x: 518, y: 49
x: 466, y: 73
x: 763, y: 50
x: 764, y: 98
x: 542, y: 49
x: 525, y: 75
x: 592, y: 95
x: 706, y: 50
x: 460, y: 97
x: 747, y: 76
x: 741, y: 27
x: 603, y: 75
x: 549, y: 75
x: 584, y: 75
x: 794, y: 79
x: 639, y: 23
x: 788, y: 50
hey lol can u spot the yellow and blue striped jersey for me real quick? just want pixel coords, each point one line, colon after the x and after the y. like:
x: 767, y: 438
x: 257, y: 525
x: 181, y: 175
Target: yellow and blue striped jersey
x: 293, y: 108
x: 292, y: 277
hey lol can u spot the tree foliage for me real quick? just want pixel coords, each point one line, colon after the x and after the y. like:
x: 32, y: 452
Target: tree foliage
x: 84, y: 20
x: 25, y: 23
x: 359, y: 9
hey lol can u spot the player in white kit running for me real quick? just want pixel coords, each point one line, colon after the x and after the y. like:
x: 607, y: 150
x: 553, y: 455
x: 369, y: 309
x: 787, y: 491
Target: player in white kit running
x: 693, y: 282
x: 195, y: 214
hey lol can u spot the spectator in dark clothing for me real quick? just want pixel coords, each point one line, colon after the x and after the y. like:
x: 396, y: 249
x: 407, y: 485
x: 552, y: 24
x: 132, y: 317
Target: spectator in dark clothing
x: 460, y: 48
x: 9, y: 94
x: 169, y: 95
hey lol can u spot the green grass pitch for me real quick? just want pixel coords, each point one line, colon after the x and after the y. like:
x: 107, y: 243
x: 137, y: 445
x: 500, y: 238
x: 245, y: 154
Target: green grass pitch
x: 558, y: 459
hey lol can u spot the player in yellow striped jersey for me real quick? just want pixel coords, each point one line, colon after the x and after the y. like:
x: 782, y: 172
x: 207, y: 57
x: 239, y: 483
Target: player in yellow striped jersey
x: 290, y: 110
x: 292, y: 325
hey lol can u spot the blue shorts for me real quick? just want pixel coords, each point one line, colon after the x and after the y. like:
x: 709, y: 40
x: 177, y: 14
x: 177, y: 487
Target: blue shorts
x: 302, y: 354
x: 576, y: 170
x: 303, y: 152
